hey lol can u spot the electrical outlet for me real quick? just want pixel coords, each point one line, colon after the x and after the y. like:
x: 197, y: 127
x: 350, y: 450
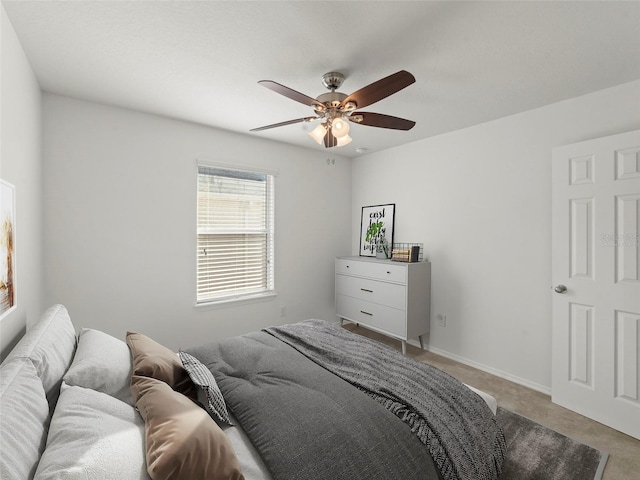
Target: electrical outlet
x: 283, y: 311
x: 442, y: 319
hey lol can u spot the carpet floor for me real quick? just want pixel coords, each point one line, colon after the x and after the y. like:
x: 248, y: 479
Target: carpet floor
x: 535, y: 452
x: 623, y: 462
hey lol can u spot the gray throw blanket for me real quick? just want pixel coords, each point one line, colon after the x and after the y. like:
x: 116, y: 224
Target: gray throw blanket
x: 455, y: 424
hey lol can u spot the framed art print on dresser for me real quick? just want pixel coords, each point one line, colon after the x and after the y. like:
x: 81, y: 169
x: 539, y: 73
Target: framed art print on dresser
x: 376, y: 224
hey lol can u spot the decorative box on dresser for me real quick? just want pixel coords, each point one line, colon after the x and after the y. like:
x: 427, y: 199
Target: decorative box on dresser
x: 389, y: 297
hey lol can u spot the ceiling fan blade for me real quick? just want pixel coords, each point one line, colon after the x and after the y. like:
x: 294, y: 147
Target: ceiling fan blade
x: 381, y: 89
x: 282, y: 124
x: 289, y: 93
x: 330, y: 140
x: 382, y: 121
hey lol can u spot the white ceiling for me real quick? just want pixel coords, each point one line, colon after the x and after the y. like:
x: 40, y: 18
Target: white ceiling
x: 200, y: 60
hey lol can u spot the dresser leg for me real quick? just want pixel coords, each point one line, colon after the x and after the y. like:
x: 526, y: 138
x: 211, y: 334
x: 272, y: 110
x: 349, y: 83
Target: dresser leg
x: 421, y: 342
x: 404, y: 347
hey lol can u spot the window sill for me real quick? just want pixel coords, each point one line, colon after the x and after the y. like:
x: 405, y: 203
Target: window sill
x: 233, y: 301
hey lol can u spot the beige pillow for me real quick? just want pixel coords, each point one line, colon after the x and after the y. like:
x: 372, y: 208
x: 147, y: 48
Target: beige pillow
x: 151, y: 359
x: 182, y: 441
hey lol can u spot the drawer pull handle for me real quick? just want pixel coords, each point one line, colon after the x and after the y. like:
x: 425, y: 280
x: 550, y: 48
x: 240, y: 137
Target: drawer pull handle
x: 366, y: 313
x: 388, y: 271
x: 366, y: 290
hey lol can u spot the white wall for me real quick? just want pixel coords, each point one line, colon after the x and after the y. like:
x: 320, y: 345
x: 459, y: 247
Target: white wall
x: 120, y: 223
x: 480, y: 201
x: 20, y: 165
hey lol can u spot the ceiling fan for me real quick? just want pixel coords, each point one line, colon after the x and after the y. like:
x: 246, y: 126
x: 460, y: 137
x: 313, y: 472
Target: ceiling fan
x: 336, y: 109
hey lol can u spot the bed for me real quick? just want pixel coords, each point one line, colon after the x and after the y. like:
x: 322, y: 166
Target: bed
x: 308, y: 400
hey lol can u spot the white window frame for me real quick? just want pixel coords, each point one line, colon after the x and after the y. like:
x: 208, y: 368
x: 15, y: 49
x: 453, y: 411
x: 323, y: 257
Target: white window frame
x: 269, y: 290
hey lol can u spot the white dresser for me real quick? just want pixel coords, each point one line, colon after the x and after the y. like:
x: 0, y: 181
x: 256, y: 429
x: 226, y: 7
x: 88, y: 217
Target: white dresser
x: 389, y: 297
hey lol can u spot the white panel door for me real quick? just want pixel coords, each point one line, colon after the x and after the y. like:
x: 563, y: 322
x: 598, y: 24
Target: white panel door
x: 596, y: 280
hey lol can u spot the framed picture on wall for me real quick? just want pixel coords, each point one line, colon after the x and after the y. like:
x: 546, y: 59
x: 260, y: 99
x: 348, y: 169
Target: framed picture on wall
x: 7, y: 248
x: 376, y: 223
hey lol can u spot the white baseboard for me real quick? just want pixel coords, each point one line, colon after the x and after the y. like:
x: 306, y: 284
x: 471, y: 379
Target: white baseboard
x: 493, y: 371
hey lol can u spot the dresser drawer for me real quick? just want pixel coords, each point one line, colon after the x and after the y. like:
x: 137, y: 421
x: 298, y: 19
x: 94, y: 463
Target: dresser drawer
x: 383, y: 293
x: 388, y: 319
x: 379, y: 271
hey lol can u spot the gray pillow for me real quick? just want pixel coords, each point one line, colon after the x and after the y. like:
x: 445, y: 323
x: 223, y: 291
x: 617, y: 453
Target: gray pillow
x: 209, y: 393
x: 102, y: 363
x: 50, y: 345
x: 93, y: 435
x: 24, y: 417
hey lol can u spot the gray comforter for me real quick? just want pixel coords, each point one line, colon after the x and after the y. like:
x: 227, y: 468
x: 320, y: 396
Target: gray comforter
x: 308, y: 423
x: 455, y: 424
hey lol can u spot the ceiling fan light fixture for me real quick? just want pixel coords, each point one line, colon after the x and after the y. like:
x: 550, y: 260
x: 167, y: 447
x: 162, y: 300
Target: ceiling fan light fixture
x: 340, y: 127
x: 342, y: 141
x: 318, y: 133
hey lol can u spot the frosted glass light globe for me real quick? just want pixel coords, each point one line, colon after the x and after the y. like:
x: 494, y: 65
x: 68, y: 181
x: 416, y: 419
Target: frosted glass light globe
x: 340, y: 127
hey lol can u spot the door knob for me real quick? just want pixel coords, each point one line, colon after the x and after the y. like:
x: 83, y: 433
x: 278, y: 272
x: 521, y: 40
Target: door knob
x: 560, y: 289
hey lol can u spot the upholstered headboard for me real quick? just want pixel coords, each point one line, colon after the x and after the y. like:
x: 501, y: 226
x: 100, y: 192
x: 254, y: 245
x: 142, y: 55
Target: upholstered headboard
x: 31, y: 375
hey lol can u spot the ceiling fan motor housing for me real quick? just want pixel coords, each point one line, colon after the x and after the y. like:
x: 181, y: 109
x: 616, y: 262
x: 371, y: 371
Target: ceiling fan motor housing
x: 331, y: 99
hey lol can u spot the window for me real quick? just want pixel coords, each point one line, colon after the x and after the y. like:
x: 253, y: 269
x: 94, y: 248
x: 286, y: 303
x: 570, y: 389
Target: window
x: 235, y: 234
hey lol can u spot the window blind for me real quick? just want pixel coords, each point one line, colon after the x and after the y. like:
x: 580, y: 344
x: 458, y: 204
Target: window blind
x: 235, y: 233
